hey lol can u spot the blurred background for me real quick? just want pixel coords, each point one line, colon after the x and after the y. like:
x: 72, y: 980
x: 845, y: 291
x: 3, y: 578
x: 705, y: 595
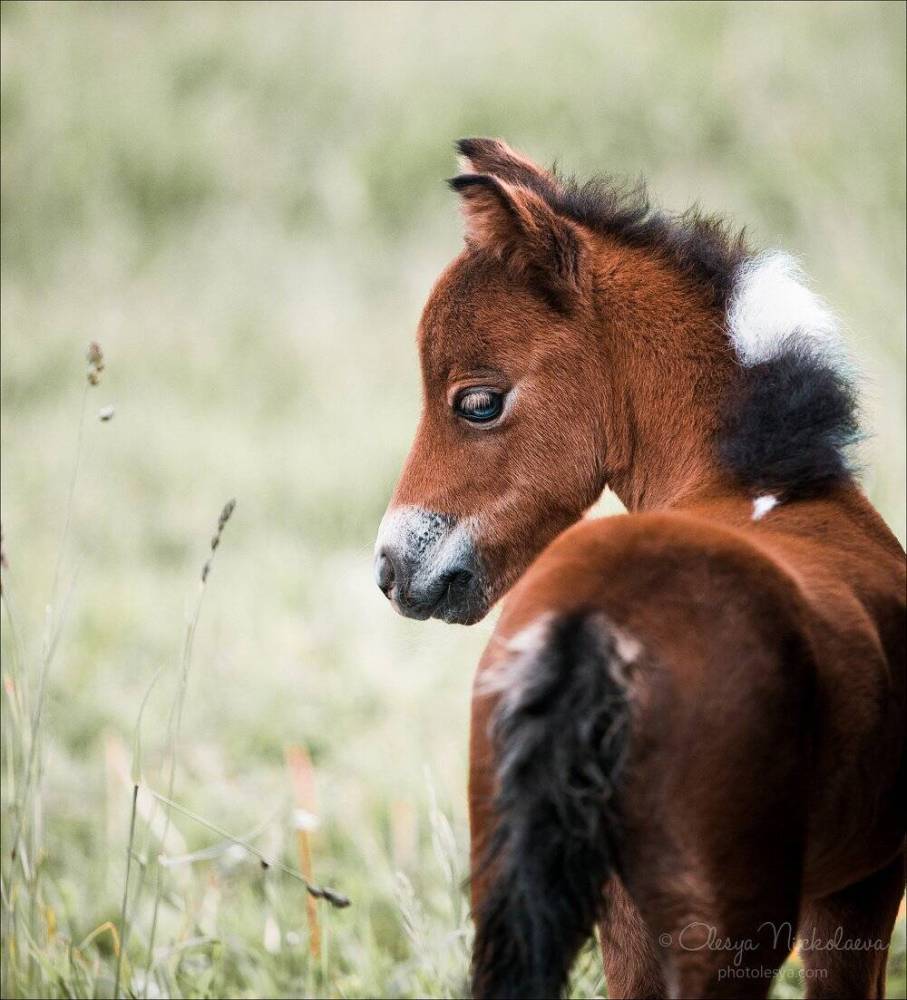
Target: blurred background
x: 243, y: 205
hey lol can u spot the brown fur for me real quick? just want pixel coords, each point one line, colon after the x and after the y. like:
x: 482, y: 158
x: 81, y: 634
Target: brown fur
x: 767, y: 768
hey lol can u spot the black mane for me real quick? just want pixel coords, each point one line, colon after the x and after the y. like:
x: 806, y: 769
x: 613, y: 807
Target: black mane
x: 790, y: 427
x: 703, y: 247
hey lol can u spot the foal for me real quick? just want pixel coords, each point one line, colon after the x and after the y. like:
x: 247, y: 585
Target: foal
x: 688, y: 727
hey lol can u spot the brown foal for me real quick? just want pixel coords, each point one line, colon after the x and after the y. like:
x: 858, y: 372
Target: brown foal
x: 688, y: 727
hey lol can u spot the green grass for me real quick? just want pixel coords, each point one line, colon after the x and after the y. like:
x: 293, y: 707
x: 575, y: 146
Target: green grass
x: 243, y: 204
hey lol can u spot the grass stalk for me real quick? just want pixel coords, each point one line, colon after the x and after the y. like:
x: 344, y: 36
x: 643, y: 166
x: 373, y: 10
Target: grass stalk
x: 52, y: 633
x: 129, y: 852
x: 174, y: 729
x: 51, y: 640
x: 333, y: 897
x: 26, y: 804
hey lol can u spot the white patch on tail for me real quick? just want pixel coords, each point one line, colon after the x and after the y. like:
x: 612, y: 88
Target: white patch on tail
x: 628, y: 648
x: 772, y: 301
x: 506, y: 673
x: 762, y: 505
x: 507, y: 676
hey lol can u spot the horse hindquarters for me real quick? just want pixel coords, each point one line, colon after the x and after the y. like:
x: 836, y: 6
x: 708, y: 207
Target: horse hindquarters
x: 686, y: 779
x: 715, y: 813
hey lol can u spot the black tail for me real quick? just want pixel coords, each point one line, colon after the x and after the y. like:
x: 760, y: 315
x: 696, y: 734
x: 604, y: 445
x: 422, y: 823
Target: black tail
x: 560, y: 734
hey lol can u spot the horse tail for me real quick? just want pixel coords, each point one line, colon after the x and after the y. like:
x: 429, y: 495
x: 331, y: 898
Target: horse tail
x: 560, y: 733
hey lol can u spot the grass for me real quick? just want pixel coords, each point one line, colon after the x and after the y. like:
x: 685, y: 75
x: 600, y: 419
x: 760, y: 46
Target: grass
x: 243, y: 204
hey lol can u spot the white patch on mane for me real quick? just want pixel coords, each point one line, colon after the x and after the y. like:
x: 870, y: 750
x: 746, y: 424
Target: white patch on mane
x: 762, y: 505
x: 772, y: 301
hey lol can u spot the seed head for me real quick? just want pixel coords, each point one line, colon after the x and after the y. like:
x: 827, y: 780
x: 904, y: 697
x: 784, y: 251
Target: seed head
x: 95, y: 358
x: 225, y: 515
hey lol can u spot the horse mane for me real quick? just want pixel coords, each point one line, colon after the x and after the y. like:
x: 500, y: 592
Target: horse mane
x: 790, y: 423
x: 703, y: 247
x: 790, y: 427
x: 790, y: 420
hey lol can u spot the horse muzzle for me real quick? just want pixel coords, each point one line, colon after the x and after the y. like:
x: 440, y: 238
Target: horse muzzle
x: 427, y: 566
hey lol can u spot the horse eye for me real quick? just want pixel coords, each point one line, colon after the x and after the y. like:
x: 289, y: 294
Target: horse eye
x: 479, y: 406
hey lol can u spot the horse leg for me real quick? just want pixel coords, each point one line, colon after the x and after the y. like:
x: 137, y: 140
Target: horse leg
x: 730, y: 955
x: 630, y: 957
x: 717, y: 814
x: 719, y: 937
x: 845, y: 936
x: 723, y: 924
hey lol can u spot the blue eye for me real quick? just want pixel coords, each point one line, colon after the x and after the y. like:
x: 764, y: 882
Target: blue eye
x: 479, y: 406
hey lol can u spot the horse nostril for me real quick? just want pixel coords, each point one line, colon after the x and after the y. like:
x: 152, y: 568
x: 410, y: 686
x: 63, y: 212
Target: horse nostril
x: 384, y: 573
x: 459, y: 578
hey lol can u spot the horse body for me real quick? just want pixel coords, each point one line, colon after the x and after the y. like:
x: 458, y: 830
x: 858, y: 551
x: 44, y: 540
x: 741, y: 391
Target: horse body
x: 768, y: 726
x: 688, y: 726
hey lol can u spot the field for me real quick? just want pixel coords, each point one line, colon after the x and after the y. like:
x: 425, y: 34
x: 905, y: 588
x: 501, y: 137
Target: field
x: 243, y: 205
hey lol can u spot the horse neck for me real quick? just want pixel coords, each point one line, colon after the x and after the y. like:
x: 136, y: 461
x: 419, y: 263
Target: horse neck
x: 667, y: 366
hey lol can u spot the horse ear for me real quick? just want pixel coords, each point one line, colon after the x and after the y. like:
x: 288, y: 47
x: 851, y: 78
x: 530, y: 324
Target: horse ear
x: 494, y: 156
x: 516, y: 225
